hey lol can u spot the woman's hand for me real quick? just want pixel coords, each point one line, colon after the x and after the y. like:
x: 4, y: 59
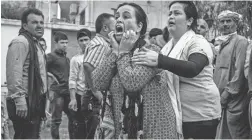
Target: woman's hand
x: 128, y: 41
x: 146, y: 57
x: 113, y: 42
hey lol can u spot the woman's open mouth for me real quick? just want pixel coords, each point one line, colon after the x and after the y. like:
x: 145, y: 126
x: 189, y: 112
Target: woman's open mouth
x: 171, y: 23
x: 119, y: 30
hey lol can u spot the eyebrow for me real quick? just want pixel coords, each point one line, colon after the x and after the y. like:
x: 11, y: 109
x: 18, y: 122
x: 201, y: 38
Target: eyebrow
x: 175, y: 10
x: 126, y: 12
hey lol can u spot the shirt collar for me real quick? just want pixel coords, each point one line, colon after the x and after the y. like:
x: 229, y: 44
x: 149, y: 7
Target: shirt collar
x: 104, y: 37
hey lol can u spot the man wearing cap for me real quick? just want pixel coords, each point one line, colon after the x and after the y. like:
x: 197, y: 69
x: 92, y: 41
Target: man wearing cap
x: 78, y: 87
x: 229, y: 78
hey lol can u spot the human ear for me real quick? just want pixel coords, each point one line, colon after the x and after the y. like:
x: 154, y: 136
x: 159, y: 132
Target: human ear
x: 105, y: 28
x: 24, y: 25
x: 189, y: 22
x: 139, y: 27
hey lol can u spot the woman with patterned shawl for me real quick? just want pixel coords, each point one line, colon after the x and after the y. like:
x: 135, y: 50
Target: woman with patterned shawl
x: 141, y: 107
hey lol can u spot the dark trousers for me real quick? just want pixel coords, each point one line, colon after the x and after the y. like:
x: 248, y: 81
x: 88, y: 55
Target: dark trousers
x: 200, y: 129
x: 78, y: 121
x: 23, y: 128
x: 90, y: 115
x: 58, y: 105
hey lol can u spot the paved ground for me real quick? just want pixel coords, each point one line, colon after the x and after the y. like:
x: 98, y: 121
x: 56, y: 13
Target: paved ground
x: 46, y: 134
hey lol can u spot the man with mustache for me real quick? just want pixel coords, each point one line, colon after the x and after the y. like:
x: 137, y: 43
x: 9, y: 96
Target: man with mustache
x: 104, y: 24
x: 229, y: 78
x: 26, y: 77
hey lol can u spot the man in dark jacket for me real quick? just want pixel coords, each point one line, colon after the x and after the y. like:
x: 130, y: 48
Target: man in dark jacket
x: 58, y: 65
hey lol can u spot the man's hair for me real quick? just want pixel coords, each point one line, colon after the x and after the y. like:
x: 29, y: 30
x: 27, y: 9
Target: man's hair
x: 155, y: 31
x: 100, y: 21
x: 30, y: 11
x: 83, y: 32
x: 60, y: 36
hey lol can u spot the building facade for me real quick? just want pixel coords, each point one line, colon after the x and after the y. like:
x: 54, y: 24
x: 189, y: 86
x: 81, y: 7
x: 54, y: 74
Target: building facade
x: 69, y: 17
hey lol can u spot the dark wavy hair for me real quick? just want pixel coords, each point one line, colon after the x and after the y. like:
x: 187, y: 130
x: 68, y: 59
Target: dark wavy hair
x: 190, y: 11
x: 29, y: 11
x: 140, y: 15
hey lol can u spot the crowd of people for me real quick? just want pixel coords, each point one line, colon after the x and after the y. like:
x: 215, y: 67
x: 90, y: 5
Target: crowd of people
x: 125, y: 84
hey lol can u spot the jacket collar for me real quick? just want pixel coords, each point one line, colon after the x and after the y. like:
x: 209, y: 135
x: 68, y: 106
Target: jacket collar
x: 60, y: 52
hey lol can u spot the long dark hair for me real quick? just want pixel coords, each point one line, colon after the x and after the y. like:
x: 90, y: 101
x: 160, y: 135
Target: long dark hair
x: 140, y: 15
x: 190, y: 11
x: 166, y: 34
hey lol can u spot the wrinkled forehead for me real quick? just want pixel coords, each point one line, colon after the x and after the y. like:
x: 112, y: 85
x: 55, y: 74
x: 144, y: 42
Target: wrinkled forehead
x: 34, y: 17
x: 227, y: 18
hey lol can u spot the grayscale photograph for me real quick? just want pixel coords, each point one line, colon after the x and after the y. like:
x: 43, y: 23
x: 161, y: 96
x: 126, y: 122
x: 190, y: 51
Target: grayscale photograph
x: 95, y: 69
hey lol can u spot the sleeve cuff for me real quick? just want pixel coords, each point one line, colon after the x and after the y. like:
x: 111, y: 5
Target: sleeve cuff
x: 20, y: 101
x: 72, y: 85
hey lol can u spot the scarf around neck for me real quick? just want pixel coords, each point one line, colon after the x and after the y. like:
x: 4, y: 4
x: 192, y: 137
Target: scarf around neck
x: 172, y: 79
x: 35, y: 84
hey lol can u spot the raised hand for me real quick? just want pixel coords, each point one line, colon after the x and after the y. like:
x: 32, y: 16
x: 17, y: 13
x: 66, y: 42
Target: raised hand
x: 113, y: 42
x: 128, y: 41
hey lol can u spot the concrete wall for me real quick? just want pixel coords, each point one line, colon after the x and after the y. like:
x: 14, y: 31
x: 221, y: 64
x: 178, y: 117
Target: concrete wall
x: 9, y: 32
x: 156, y: 11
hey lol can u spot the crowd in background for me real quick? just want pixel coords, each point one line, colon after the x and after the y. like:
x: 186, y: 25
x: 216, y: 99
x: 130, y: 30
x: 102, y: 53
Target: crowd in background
x: 170, y: 83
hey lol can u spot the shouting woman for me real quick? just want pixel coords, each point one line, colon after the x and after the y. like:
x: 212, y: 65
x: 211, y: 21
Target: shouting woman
x: 141, y: 105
